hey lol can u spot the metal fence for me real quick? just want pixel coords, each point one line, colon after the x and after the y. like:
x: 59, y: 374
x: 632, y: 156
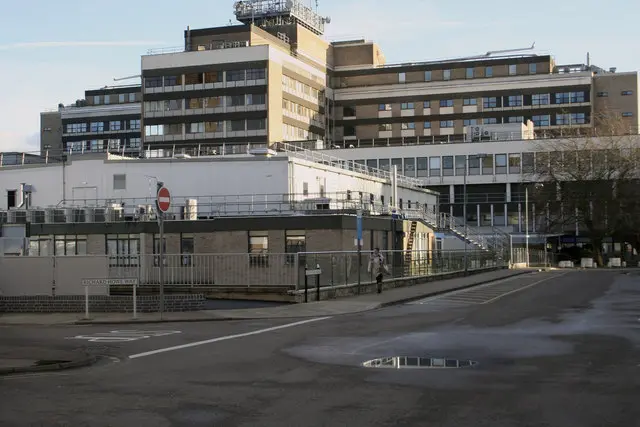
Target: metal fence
x: 349, y: 268
x: 536, y: 258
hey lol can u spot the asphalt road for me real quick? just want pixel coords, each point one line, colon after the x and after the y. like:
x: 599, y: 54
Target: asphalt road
x: 550, y: 349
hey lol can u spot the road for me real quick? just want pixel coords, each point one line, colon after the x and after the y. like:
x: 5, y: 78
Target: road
x: 548, y: 349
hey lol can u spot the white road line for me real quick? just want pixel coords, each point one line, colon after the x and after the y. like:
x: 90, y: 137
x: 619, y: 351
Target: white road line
x: 225, y: 338
x: 523, y: 288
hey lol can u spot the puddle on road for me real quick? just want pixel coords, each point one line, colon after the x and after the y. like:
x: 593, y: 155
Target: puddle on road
x: 405, y: 362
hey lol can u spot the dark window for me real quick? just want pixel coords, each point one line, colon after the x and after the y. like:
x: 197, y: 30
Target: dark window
x: 295, y: 242
x: 446, y: 103
x: 256, y: 74
x: 258, y: 248
x: 123, y: 249
x: 187, y: 249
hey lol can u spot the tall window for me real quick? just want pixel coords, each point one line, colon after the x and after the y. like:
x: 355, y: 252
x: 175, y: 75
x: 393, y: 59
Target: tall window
x: 426, y: 104
x: 295, y: 242
x: 446, y: 74
x: 427, y: 76
x: 156, y: 250
x: 187, y: 249
x: 402, y: 77
x: 513, y: 70
x: 258, y: 248
x: 533, y: 68
x: 123, y: 249
x: 134, y: 124
x: 488, y: 72
x: 470, y: 73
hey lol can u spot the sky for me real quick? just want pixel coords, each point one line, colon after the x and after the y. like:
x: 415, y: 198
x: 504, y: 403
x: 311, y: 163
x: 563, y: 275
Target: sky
x: 51, y: 51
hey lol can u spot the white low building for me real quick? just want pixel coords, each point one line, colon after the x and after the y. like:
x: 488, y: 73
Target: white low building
x: 205, y: 186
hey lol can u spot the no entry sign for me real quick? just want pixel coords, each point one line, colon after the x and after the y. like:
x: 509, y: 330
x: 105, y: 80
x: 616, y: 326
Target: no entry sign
x: 164, y: 199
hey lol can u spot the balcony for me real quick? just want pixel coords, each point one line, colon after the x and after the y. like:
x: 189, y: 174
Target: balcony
x: 203, y: 86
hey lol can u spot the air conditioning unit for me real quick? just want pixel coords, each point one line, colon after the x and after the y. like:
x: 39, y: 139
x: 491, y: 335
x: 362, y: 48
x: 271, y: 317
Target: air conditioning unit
x: 77, y: 215
x: 17, y: 217
x: 97, y: 214
x: 55, y: 215
x: 190, y: 212
x: 114, y: 213
x: 37, y: 216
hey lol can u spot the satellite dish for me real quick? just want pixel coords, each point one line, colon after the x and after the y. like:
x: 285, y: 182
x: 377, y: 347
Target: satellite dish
x: 327, y: 20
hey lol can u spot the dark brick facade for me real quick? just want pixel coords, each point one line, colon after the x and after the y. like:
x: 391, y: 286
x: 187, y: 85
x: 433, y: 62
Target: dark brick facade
x: 98, y: 304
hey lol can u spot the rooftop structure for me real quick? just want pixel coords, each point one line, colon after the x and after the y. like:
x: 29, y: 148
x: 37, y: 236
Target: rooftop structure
x: 271, y: 13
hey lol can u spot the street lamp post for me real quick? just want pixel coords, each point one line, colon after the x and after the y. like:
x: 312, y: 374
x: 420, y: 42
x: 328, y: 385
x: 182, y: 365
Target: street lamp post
x: 526, y: 222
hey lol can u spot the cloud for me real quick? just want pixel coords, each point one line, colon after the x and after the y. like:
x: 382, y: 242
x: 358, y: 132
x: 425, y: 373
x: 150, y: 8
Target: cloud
x: 14, y: 141
x: 50, y: 44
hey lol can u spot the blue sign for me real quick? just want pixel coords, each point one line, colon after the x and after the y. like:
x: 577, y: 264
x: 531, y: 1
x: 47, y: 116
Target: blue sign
x: 359, y: 226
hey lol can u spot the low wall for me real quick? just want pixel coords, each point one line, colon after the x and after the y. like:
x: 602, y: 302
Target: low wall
x: 98, y: 304
x: 369, y: 287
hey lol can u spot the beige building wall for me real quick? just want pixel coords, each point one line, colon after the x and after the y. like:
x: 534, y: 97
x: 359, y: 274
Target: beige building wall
x: 274, y: 102
x: 611, y: 104
x: 311, y: 45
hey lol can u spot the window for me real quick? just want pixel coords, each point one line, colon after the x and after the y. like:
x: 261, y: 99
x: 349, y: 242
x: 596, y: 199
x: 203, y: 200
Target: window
x: 349, y: 131
x: 121, y: 98
x: 426, y: 104
x: 348, y: 111
x: 408, y: 126
x: 156, y: 250
x: 235, y: 125
x: 132, y: 97
x: 427, y: 76
x: 197, y: 127
x: 540, y: 99
x: 97, y: 127
x: 210, y: 127
x: 514, y: 101
x: 489, y: 121
x: 446, y: 124
x: 410, y: 166
x: 541, y: 120
x: 305, y: 188
x: 295, y: 242
x: 76, y: 127
x: 384, y: 164
x: 569, y: 97
x: 235, y: 76
x: 501, y: 164
x: 172, y: 80
x: 487, y: 165
x: 123, y: 249
x: 513, y: 70
x: 153, y: 82
x: 97, y: 100
x: 422, y: 166
x: 446, y: 75
x: 372, y: 163
x: 533, y: 68
x: 406, y: 106
x: 384, y: 127
x: 570, y: 119
x: 235, y: 100
x: 256, y: 124
x: 627, y: 114
x: 447, y: 165
x: 258, y: 248
x: 107, y: 99
x: 470, y: 101
x: 402, y: 77
x: 40, y: 246
x: 384, y: 107
x: 70, y: 245
x: 490, y: 102
x: 116, y: 125
x: 527, y: 162
x: 134, y: 124
x: 173, y: 105
x: 446, y: 103
x: 427, y: 125
x: 470, y: 122
x: 515, y: 119
x: 488, y: 72
x: 461, y: 165
x: 97, y: 145
x: 133, y: 143
x: 434, y: 166
x: 187, y: 249
x: 626, y: 92
x: 256, y: 74
x: 119, y: 181
x: 514, y: 163
x: 470, y: 73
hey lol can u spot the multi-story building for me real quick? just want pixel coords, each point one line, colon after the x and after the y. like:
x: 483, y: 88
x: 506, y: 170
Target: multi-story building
x: 107, y: 119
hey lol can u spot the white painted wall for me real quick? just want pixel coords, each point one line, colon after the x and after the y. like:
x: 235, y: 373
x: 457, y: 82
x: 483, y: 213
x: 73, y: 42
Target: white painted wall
x: 91, y: 179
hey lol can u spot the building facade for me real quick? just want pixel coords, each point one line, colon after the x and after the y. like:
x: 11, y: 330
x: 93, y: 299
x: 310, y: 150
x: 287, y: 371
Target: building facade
x: 107, y: 119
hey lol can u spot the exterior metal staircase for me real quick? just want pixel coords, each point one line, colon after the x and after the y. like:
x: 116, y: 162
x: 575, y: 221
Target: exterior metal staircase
x: 408, y: 253
x: 497, y: 241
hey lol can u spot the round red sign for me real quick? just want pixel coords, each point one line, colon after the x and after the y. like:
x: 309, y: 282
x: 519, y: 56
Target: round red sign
x: 164, y: 199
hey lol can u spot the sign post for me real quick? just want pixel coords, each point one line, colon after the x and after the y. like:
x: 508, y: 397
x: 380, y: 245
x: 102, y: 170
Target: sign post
x: 163, y: 203
x: 313, y: 272
x: 87, y: 283
x: 359, y: 242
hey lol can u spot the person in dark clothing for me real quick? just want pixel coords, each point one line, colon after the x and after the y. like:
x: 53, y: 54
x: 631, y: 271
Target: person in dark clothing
x: 376, y: 266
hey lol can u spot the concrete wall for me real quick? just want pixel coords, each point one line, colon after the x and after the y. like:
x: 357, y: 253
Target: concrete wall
x: 50, y: 276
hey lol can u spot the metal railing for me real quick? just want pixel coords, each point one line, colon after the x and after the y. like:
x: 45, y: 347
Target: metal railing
x: 319, y: 157
x: 244, y: 270
x: 344, y: 269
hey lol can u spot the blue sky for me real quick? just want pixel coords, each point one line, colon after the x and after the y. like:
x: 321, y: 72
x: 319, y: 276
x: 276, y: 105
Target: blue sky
x: 51, y: 51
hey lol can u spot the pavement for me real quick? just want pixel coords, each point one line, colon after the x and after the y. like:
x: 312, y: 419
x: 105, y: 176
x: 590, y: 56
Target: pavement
x: 350, y: 305
x: 558, y: 348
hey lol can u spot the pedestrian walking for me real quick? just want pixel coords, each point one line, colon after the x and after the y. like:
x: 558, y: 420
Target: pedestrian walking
x: 377, y: 267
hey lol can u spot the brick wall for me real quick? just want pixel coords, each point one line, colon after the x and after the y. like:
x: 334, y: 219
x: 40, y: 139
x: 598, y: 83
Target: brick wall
x: 99, y: 304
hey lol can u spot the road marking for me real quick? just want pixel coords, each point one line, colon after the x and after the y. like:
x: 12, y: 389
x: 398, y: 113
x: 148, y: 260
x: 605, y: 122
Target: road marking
x: 225, y: 338
x: 523, y: 288
x: 122, y: 335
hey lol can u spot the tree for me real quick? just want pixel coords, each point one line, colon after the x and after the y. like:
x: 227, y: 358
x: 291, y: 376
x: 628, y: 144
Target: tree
x: 589, y: 185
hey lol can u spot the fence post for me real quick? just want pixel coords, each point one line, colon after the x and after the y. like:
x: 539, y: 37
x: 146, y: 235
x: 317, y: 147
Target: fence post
x: 306, y: 284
